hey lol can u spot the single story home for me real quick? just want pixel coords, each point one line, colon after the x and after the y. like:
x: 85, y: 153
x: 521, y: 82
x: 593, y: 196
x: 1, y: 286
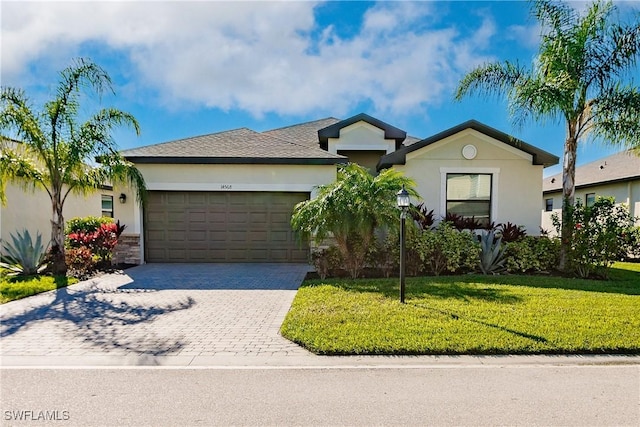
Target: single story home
x: 228, y: 196
x: 616, y: 176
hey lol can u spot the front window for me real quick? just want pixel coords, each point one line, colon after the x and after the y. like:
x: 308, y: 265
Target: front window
x: 107, y: 206
x: 469, y: 195
x: 589, y: 199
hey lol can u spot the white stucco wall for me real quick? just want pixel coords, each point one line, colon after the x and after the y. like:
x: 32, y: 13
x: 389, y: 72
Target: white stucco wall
x: 623, y: 192
x: 516, y: 185
x: 31, y: 210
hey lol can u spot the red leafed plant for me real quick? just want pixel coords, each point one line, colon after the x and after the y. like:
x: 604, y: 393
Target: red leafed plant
x: 101, y: 241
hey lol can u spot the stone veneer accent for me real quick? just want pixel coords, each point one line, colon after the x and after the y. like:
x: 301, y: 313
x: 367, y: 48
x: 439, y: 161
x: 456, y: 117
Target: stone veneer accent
x: 127, y: 250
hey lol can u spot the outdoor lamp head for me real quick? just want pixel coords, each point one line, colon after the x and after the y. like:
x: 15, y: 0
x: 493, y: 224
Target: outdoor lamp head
x: 123, y: 198
x: 403, y: 198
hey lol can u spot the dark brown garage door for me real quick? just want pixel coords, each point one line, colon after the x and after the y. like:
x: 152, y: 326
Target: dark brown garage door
x: 222, y: 227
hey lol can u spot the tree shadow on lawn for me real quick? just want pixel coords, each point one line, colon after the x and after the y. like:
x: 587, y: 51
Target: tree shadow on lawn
x: 455, y: 316
x: 100, y: 317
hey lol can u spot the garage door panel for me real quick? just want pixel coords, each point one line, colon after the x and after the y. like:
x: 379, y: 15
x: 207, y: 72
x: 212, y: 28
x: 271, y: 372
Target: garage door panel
x: 197, y: 237
x: 175, y: 198
x: 217, y: 236
x: 259, y: 237
x: 222, y: 227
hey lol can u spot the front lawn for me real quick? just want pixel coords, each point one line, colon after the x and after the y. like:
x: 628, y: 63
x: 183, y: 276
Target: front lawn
x: 13, y: 288
x: 471, y: 314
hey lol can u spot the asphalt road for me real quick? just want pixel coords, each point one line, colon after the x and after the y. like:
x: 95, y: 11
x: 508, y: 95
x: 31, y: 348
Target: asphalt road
x: 456, y: 395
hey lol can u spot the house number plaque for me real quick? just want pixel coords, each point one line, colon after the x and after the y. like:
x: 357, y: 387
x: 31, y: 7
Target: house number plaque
x: 225, y: 186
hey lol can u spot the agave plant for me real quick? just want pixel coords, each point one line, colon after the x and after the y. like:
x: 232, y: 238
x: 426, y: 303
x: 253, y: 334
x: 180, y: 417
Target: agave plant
x: 25, y: 256
x: 491, y: 253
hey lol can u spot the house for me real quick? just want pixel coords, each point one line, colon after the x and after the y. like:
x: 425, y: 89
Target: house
x: 30, y: 209
x: 616, y: 176
x: 228, y: 196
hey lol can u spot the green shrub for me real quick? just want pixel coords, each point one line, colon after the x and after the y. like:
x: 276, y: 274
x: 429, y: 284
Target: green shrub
x: 87, y: 224
x: 24, y: 256
x: 632, y: 241
x: 447, y: 249
x: 531, y: 254
x: 600, y: 236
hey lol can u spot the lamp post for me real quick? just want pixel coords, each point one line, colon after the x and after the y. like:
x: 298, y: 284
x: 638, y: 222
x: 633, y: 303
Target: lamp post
x: 404, y: 201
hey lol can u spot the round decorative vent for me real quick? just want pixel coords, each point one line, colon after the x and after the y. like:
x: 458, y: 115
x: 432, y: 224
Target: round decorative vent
x: 469, y: 151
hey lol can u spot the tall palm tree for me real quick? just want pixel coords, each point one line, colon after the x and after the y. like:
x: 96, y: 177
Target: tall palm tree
x: 54, y: 150
x: 582, y: 76
x: 350, y: 209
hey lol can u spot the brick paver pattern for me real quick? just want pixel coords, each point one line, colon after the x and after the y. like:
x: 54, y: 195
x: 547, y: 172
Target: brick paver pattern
x: 156, y: 309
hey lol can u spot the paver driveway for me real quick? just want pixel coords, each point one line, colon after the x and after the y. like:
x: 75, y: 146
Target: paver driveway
x: 159, y: 310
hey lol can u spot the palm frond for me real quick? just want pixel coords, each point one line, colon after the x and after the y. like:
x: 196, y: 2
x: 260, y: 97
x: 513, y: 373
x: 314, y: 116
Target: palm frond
x: 617, y: 116
x: 112, y: 168
x: 494, y: 79
x: 17, y: 116
x: 554, y: 17
x: 20, y: 170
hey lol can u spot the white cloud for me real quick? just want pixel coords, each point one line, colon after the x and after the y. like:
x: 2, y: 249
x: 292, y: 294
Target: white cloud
x: 526, y: 35
x: 260, y: 57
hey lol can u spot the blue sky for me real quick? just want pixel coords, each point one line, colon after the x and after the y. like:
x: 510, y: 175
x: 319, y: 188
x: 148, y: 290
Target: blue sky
x: 192, y: 68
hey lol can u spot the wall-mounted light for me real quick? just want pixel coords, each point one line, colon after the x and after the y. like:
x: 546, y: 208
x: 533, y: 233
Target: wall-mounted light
x: 123, y: 198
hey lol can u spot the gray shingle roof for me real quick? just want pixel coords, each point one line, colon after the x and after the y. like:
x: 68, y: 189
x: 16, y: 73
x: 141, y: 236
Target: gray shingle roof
x: 623, y: 166
x: 303, y: 133
x: 235, y: 146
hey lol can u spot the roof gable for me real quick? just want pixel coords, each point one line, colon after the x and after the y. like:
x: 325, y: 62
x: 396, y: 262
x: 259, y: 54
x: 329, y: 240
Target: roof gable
x: 539, y: 157
x: 333, y: 131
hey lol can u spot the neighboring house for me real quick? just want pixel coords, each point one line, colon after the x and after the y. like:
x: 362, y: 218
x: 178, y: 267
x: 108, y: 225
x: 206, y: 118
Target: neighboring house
x: 30, y: 209
x: 228, y: 196
x: 615, y: 176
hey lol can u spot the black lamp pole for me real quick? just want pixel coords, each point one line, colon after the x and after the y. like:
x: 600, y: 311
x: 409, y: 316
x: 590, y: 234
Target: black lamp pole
x: 403, y: 215
x: 403, y: 203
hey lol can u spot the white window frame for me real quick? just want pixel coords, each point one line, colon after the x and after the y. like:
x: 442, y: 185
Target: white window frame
x: 102, y: 210
x: 546, y: 205
x: 495, y: 178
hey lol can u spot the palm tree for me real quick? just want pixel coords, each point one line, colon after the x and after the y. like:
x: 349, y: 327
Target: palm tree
x: 581, y: 77
x: 55, y: 150
x: 350, y: 210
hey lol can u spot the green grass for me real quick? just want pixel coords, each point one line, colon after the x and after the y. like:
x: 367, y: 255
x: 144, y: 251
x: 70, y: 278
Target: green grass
x: 471, y: 314
x: 13, y: 288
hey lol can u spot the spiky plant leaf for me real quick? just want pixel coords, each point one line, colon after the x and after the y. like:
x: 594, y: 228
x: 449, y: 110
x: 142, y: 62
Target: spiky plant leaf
x: 24, y: 256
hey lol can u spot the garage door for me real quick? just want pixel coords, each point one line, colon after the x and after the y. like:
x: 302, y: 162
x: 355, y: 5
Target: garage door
x: 222, y: 227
